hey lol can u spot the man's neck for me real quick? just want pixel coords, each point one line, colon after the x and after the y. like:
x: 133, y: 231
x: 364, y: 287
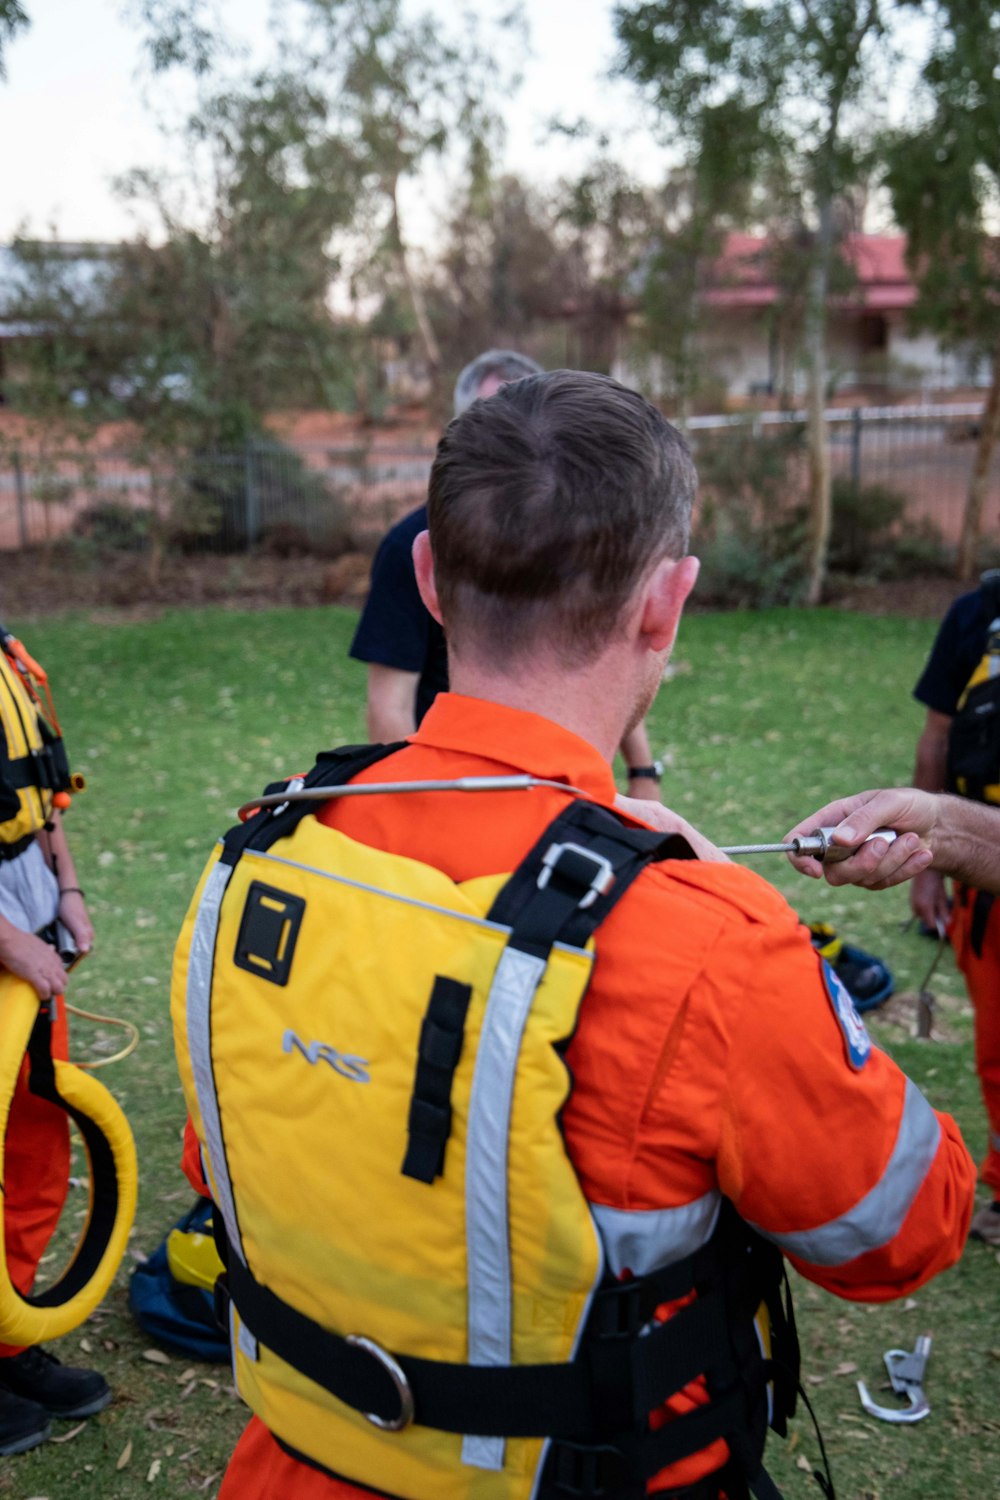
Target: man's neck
x: 592, y: 702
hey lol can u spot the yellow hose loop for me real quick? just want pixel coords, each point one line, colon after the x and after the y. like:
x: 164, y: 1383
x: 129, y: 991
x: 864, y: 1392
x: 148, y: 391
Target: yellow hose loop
x: 112, y: 1172
x: 130, y: 1029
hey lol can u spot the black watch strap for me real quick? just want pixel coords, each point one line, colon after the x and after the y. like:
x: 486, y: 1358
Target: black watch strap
x: 646, y: 773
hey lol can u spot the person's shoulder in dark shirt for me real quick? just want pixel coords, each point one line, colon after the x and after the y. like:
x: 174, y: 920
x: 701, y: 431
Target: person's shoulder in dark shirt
x: 394, y: 627
x: 956, y: 651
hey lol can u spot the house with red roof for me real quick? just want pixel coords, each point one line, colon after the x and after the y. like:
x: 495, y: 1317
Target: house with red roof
x: 750, y: 327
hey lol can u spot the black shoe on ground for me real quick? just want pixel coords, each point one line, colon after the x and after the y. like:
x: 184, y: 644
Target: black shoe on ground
x: 23, y: 1424
x: 36, y: 1375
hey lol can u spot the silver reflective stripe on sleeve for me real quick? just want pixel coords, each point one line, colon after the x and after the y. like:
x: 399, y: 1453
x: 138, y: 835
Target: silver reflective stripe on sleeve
x: 199, y: 1038
x: 643, y: 1240
x: 878, y: 1217
x: 515, y: 981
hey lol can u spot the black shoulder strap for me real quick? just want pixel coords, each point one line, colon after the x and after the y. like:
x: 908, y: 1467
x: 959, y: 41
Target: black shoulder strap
x: 332, y: 768
x: 578, y: 870
x: 563, y: 889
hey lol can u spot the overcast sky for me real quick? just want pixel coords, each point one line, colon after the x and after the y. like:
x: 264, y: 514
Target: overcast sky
x: 75, y: 109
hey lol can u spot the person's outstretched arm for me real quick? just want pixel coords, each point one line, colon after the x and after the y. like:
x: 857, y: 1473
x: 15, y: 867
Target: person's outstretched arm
x: 942, y: 835
x: 824, y: 1145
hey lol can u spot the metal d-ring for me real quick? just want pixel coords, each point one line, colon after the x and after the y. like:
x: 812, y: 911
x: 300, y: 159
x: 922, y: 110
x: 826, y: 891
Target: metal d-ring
x: 399, y: 1380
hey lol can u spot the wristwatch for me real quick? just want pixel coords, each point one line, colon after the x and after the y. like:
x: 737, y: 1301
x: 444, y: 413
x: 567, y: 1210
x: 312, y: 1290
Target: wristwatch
x: 646, y: 773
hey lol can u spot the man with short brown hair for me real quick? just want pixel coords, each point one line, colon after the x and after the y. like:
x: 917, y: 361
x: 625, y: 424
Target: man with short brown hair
x: 404, y: 646
x: 708, y: 1083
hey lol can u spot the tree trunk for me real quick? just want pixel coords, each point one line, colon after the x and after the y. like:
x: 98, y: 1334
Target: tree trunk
x: 431, y: 349
x: 968, y: 546
x: 816, y: 428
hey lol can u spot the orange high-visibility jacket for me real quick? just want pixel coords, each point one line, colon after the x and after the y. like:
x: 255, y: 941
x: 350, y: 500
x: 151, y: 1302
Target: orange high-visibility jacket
x: 712, y: 1058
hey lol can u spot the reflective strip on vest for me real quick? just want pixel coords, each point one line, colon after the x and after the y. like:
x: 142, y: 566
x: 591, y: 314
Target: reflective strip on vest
x: 643, y: 1240
x: 879, y: 1216
x: 517, y: 977
x: 199, y: 1036
x: 360, y: 885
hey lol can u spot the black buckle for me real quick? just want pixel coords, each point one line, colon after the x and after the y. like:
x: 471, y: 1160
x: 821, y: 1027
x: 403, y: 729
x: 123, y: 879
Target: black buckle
x: 617, y: 1311
x: 578, y: 868
x: 590, y: 1471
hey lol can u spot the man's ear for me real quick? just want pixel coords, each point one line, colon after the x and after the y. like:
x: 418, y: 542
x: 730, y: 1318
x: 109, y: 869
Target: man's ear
x: 423, y: 567
x: 666, y: 591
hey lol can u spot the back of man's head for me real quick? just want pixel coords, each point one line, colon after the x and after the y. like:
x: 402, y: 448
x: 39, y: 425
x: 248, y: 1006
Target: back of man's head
x: 493, y: 369
x: 549, y: 504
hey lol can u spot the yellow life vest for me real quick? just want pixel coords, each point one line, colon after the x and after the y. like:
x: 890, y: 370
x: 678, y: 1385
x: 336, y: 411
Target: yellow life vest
x: 372, y: 1057
x: 26, y: 805
x: 34, y: 771
x: 973, y: 766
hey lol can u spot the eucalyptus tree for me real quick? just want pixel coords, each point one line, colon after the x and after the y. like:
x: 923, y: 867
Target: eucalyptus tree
x: 408, y: 97
x: 944, y: 175
x: 774, y: 88
x: 13, y: 18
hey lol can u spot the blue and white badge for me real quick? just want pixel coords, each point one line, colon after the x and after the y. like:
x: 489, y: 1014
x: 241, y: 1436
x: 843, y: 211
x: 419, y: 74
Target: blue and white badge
x: 856, y: 1038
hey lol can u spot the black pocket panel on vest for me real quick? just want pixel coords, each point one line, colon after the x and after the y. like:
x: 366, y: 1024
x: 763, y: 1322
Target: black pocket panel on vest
x: 268, y: 932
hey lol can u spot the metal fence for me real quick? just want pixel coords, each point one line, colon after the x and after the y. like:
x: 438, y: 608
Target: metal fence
x: 319, y: 497
x: 925, y: 454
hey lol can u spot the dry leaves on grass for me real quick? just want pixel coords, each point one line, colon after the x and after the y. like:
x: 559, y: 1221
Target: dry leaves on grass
x: 67, y: 1437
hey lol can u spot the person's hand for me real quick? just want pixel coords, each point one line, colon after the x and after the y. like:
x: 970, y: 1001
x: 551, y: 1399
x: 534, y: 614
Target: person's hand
x: 644, y: 789
x: 929, y: 901
x: 75, y: 918
x: 29, y: 958
x: 880, y: 864
x: 655, y: 815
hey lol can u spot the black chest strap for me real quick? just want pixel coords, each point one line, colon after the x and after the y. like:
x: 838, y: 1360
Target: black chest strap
x: 596, y: 1408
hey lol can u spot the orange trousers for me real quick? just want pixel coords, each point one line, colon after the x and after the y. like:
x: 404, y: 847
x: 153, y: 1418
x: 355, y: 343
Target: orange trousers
x: 36, y: 1174
x: 982, y: 977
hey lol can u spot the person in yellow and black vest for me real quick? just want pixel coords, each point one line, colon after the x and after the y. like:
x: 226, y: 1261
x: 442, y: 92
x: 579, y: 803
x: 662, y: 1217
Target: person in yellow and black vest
x: 959, y: 751
x: 44, y: 927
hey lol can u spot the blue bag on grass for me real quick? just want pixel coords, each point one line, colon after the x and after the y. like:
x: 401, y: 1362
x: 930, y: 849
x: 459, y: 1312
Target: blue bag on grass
x: 868, y: 980
x: 170, y: 1294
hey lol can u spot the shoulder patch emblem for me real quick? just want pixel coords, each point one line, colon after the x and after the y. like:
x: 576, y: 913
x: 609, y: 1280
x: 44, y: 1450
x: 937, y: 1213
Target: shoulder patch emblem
x: 856, y: 1039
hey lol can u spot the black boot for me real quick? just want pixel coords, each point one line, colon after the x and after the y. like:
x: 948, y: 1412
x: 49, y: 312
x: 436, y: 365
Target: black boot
x: 23, y: 1424
x: 37, y: 1376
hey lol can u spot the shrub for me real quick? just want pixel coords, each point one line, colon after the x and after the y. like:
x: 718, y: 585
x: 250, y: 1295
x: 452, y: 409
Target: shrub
x: 749, y: 532
x: 864, y: 520
x: 225, y: 501
x: 110, y: 527
x: 871, y: 536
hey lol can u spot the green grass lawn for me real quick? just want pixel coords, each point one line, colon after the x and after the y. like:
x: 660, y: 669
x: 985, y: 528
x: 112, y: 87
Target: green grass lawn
x: 177, y: 720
